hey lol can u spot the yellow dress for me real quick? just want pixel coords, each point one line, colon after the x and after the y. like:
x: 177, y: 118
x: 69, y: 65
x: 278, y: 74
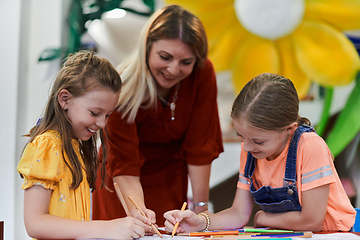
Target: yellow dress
x: 42, y: 164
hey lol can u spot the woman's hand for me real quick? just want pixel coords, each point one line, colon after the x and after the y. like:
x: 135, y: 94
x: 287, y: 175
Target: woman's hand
x: 150, y: 219
x: 188, y: 221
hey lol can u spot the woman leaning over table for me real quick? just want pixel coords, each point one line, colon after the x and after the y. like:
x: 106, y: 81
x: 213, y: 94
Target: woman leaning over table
x: 167, y: 124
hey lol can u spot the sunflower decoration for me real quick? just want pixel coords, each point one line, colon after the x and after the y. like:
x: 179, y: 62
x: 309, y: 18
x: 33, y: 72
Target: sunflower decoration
x: 299, y: 39
x: 302, y: 40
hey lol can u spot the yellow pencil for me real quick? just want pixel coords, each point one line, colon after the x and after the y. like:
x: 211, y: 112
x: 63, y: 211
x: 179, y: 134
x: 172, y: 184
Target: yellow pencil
x: 121, y: 198
x: 142, y: 213
x: 177, y: 224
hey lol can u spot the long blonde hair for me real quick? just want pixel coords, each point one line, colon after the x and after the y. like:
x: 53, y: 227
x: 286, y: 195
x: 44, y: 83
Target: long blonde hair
x: 170, y: 22
x: 81, y: 73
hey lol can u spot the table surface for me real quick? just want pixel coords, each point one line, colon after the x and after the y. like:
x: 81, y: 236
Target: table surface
x: 316, y: 235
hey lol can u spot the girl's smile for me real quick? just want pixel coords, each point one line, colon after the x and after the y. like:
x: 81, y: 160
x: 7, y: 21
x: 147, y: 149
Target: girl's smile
x: 263, y: 143
x: 90, y: 112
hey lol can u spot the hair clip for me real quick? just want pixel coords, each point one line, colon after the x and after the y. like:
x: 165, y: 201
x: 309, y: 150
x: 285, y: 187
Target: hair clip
x: 38, y: 121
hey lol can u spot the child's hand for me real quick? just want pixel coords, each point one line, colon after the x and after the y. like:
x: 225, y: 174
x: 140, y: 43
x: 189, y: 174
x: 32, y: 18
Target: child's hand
x: 125, y: 228
x: 151, y: 218
x: 188, y: 221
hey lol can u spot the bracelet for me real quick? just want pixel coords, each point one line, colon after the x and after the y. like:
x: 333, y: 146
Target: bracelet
x: 207, y: 217
x: 200, y: 204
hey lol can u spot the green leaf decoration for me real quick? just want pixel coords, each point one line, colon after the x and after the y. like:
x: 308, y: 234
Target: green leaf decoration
x: 348, y: 123
x: 320, y: 127
x: 81, y: 11
x: 51, y: 54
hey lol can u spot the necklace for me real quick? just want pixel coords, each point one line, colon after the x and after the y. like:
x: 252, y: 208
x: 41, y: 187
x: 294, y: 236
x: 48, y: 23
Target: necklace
x: 172, y: 104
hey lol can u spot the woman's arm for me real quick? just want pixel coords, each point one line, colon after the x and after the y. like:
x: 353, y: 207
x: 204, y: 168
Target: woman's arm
x: 40, y: 224
x: 131, y: 186
x: 199, y: 178
x: 310, y: 218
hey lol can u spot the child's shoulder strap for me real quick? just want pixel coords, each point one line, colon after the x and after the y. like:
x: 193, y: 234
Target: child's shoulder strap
x: 290, y: 176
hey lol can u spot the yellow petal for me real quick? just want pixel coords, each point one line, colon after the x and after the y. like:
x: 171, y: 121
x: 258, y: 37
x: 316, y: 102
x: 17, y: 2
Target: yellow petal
x: 222, y: 54
x: 290, y: 67
x: 255, y: 56
x: 216, y: 15
x: 343, y: 14
x: 201, y: 5
x: 325, y: 54
x: 215, y: 29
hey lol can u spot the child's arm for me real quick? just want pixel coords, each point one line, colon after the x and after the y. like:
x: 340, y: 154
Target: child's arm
x: 237, y: 215
x: 40, y: 224
x: 310, y: 218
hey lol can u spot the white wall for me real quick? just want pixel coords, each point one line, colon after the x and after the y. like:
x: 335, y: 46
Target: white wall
x: 9, y: 61
x: 28, y: 27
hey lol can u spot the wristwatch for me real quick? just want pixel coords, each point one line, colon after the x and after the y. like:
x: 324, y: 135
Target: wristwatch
x: 200, y: 204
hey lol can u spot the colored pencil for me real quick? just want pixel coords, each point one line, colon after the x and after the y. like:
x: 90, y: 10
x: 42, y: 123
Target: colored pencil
x: 121, y: 198
x: 142, y: 213
x: 261, y: 230
x: 199, y: 234
x: 278, y: 235
x: 250, y: 238
x: 177, y: 224
x: 268, y: 238
x: 249, y: 233
x: 236, y: 232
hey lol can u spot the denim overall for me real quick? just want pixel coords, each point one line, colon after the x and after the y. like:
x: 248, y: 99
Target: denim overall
x: 283, y: 199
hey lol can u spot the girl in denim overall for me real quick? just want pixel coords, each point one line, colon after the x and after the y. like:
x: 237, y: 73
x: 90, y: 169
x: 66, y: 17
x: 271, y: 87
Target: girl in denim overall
x: 285, y: 167
x: 282, y: 199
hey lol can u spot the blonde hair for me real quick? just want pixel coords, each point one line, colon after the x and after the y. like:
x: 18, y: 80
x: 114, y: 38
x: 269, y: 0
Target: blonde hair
x: 269, y: 101
x: 81, y: 73
x: 170, y: 22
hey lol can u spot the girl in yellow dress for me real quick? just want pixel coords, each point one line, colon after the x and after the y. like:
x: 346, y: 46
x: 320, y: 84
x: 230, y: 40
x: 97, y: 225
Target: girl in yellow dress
x: 60, y: 161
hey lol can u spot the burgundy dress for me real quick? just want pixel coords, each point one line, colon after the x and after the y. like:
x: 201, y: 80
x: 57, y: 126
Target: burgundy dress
x: 158, y: 149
